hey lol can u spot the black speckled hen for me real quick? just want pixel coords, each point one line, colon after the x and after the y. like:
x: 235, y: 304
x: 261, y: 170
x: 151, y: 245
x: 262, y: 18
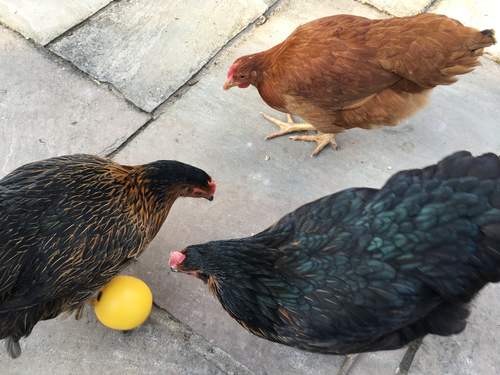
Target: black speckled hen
x: 365, y: 269
x: 69, y: 224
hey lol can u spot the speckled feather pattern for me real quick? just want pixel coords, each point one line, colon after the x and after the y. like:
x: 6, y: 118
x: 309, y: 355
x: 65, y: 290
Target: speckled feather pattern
x: 68, y: 225
x: 367, y: 269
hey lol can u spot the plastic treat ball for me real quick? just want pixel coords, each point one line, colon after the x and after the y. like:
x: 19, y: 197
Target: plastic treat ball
x: 124, y: 303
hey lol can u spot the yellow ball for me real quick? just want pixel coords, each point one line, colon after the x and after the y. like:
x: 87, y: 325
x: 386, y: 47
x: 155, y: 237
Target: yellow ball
x: 124, y: 303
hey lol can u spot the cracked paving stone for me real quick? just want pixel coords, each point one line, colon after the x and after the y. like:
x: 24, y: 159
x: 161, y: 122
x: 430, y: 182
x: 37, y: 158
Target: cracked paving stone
x: 148, y: 49
x: 47, y: 109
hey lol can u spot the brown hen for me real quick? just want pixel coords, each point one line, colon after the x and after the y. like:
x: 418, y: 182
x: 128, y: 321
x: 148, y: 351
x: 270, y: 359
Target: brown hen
x: 345, y: 71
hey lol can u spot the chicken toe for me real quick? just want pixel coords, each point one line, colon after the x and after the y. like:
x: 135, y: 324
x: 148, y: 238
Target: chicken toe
x: 286, y: 127
x: 322, y: 139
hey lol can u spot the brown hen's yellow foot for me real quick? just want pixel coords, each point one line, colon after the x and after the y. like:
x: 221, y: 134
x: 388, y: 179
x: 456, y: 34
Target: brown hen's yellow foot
x: 286, y: 127
x: 322, y: 139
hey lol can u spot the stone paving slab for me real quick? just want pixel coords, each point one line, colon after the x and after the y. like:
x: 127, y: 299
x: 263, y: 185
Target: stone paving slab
x: 47, y: 109
x: 149, y: 48
x: 223, y: 133
x: 43, y: 20
x: 161, y: 346
x: 400, y: 8
x: 481, y: 14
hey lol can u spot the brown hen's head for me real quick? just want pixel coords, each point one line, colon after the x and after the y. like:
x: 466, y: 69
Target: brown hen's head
x: 243, y: 73
x: 179, y: 179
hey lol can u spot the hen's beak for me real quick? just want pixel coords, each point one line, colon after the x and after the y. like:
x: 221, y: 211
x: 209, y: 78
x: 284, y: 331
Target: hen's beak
x: 213, y: 186
x: 203, y: 193
x: 229, y: 83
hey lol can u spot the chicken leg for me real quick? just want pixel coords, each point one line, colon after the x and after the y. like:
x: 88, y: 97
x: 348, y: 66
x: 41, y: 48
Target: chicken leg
x: 404, y: 366
x: 291, y: 126
x: 79, y: 311
x: 286, y: 127
x: 348, y: 363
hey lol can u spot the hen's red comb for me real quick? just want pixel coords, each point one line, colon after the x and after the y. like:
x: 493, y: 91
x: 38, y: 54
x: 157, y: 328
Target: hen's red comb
x: 231, y: 71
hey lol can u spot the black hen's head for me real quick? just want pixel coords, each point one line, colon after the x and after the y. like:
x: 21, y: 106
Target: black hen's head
x: 197, y: 260
x: 179, y: 179
x: 231, y: 259
x: 241, y: 274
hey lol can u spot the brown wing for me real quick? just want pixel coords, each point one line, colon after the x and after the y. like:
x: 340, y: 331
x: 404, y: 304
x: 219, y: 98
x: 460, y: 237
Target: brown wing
x: 339, y: 62
x: 328, y: 62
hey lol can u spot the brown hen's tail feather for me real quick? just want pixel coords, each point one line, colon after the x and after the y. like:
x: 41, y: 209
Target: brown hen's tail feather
x: 489, y: 33
x: 462, y: 62
x: 485, y: 38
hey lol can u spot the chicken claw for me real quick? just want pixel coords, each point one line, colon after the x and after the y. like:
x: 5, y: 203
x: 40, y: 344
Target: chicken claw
x: 286, y: 127
x: 322, y: 139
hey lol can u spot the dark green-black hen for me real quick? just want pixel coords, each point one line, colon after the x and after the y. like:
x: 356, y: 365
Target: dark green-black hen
x: 365, y: 269
x: 69, y: 224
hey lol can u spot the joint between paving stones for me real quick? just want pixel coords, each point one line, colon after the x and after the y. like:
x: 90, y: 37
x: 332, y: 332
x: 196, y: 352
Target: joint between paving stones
x: 181, y: 90
x: 75, y: 27
x: 430, y: 5
x: 218, y: 357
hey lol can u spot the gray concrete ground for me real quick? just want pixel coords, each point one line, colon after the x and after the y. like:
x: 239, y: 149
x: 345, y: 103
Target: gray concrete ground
x: 48, y: 106
x: 162, y: 346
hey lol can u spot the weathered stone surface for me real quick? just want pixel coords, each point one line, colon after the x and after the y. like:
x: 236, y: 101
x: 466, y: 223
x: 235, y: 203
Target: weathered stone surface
x: 44, y: 20
x: 47, y: 109
x: 149, y: 48
x: 400, y: 8
x: 223, y: 133
x: 161, y: 346
x: 484, y: 14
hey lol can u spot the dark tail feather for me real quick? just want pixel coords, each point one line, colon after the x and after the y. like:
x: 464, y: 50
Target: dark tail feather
x: 485, y: 39
x: 462, y: 164
x: 447, y: 319
x: 489, y: 33
x: 13, y: 347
